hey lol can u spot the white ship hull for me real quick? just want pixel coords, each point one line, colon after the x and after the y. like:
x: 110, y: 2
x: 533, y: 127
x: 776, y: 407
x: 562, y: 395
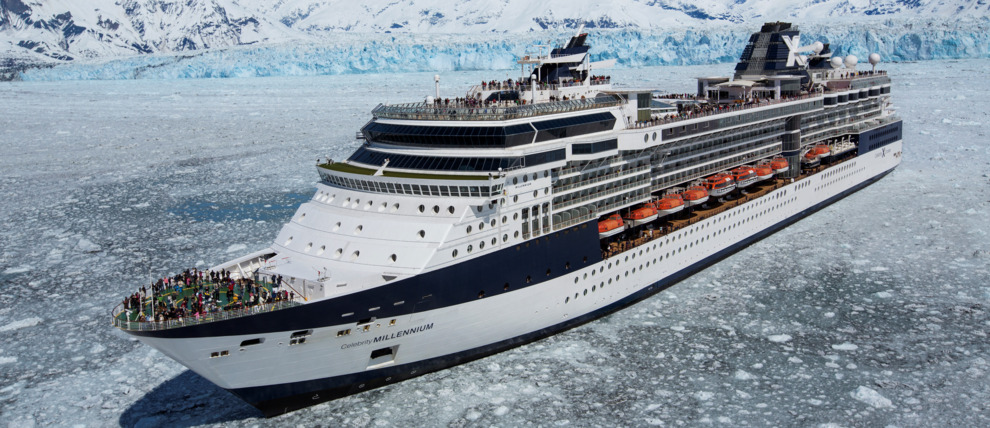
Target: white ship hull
x: 277, y: 377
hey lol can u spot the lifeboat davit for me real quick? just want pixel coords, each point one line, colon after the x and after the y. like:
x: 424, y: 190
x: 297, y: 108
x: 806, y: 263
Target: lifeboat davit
x: 670, y: 203
x: 642, y: 215
x: 694, y: 195
x: 763, y: 172
x: 610, y: 226
x: 719, y: 185
x: 779, y: 165
x: 743, y: 176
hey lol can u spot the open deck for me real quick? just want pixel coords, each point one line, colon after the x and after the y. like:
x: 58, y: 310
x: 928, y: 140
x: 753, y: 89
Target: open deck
x: 173, y: 307
x: 482, y: 112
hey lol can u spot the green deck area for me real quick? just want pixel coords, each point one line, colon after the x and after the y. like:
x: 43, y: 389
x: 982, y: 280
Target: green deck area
x: 239, y: 300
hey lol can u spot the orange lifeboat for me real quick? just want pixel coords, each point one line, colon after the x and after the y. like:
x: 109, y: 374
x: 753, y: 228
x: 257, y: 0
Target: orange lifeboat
x: 820, y: 150
x: 719, y: 184
x: 810, y: 159
x: 694, y: 195
x: 670, y: 203
x: 610, y: 226
x: 743, y: 176
x: 779, y: 165
x: 763, y: 172
x: 642, y: 215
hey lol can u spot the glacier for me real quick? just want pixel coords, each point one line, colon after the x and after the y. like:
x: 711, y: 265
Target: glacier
x: 355, y: 53
x: 872, y: 312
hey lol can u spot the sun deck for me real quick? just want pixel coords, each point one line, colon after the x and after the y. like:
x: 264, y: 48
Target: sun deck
x: 504, y: 110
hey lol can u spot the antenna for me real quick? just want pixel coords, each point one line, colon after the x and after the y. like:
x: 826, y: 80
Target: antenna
x: 436, y: 80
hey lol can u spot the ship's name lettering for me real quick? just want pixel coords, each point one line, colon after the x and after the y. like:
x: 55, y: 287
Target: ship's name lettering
x: 405, y: 332
x: 351, y: 345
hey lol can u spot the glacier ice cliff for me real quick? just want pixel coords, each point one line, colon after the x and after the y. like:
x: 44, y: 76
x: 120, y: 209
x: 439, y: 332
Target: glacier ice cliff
x: 350, y: 53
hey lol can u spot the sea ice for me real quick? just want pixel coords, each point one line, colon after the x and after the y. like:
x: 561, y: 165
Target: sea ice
x: 871, y: 397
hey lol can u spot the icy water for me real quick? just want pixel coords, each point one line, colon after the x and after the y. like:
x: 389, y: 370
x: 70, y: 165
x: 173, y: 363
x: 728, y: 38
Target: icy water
x: 873, y: 312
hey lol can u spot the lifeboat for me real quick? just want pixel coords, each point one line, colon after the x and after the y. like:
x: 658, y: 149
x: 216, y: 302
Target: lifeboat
x: 670, y: 203
x: 694, y: 195
x: 821, y: 150
x: 763, y: 172
x: 610, y: 226
x: 810, y: 160
x: 719, y: 185
x: 642, y: 215
x: 779, y: 165
x: 743, y: 176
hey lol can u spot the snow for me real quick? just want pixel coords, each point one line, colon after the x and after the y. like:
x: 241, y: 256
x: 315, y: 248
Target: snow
x: 207, y: 154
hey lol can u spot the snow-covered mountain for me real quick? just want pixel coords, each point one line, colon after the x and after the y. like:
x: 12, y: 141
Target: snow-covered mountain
x: 288, y: 32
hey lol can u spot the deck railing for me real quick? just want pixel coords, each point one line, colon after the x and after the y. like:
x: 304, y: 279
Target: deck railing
x: 503, y: 111
x: 122, y: 321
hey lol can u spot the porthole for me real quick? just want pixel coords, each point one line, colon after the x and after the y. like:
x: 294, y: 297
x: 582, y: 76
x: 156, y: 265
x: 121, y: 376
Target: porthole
x: 481, y: 226
x: 654, y: 136
x: 567, y: 299
x: 536, y: 193
x: 337, y: 253
x: 302, y: 216
x: 357, y: 230
x: 453, y: 253
x: 494, y: 241
x: 515, y: 216
x: 515, y: 180
x: 492, y: 223
x: 534, y: 176
x: 646, y: 138
x: 529, y: 279
x: 322, y: 250
x: 422, y: 208
x: 525, y: 178
x: 422, y: 233
x: 436, y: 209
x: 515, y: 198
x: 355, y: 255
x: 505, y: 237
x: 382, y: 206
x: 504, y: 219
x: 481, y: 294
x: 395, y: 207
x: 481, y: 245
x: 515, y: 234
x: 368, y: 205
x: 470, y: 228
x: 391, y: 259
x: 288, y: 241
x: 470, y: 248
x: 585, y: 291
x: 309, y: 246
x: 575, y: 280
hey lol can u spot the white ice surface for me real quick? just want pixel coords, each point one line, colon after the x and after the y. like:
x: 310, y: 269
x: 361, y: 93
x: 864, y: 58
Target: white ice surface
x: 162, y: 175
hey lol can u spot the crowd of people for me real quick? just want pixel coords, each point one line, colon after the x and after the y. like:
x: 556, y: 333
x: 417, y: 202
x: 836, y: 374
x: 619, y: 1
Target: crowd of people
x: 196, y: 293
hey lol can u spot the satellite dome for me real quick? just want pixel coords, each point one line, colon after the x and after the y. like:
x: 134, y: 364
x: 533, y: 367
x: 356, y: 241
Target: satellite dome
x: 851, y: 61
x: 874, y: 58
x: 836, y: 62
x: 817, y: 47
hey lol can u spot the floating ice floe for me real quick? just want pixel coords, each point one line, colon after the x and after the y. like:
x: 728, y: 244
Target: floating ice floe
x: 24, y: 323
x: 871, y: 397
x: 845, y: 347
x: 780, y: 338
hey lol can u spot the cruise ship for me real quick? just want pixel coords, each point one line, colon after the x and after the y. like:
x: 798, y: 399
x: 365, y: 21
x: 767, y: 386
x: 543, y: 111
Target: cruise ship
x: 462, y: 227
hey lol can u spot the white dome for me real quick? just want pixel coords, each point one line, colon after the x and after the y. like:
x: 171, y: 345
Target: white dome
x: 836, y: 62
x: 874, y: 58
x: 430, y: 99
x: 817, y: 47
x: 851, y: 61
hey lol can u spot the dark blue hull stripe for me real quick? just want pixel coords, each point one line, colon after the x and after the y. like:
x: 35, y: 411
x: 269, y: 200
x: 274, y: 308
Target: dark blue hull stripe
x: 278, y: 399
